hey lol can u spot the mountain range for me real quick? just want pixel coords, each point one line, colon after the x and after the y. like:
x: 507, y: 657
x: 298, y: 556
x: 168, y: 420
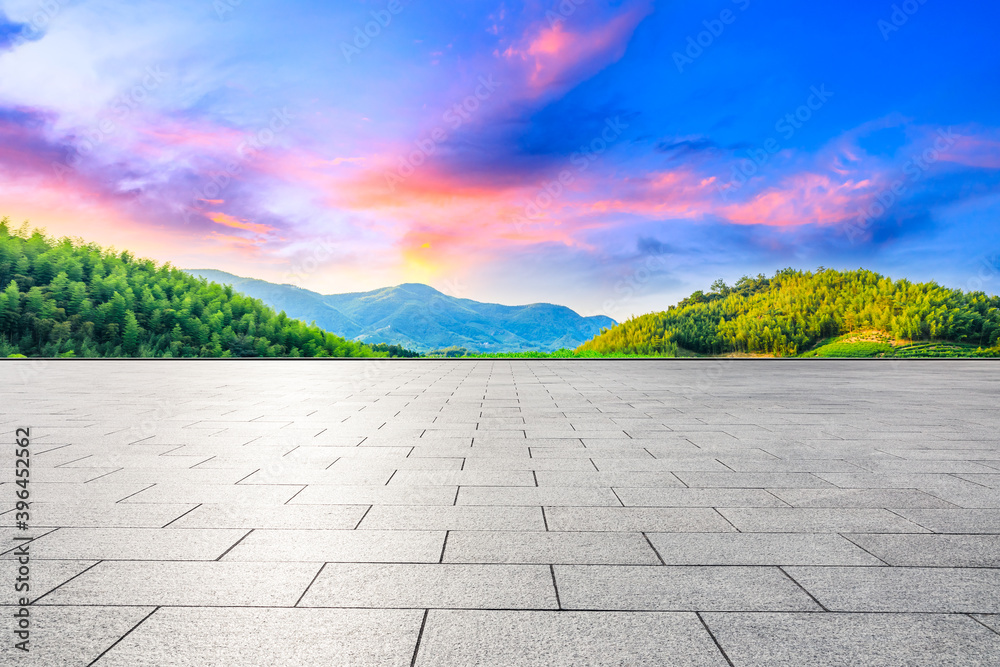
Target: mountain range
x: 421, y: 318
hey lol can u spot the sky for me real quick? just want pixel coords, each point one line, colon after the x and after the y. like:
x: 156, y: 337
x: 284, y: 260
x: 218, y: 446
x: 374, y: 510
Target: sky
x: 609, y: 156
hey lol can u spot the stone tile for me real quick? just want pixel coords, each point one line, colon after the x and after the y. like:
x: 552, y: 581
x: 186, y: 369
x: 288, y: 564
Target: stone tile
x: 636, y: 519
x: 215, y: 493
x: 86, y: 494
x: 101, y: 515
x: 343, y: 465
x: 970, y: 497
x: 44, y: 575
x: 818, y: 520
x: 860, y: 498
x: 174, y: 477
x: 858, y: 480
x: 455, y: 478
x: 328, y: 517
x: 547, y: 495
x: 989, y: 620
x: 991, y: 480
x: 878, y: 640
x: 548, y: 547
x: 606, y: 479
x: 752, y: 480
x: 679, y: 588
x: 789, y: 465
x: 301, y: 475
x: 652, y: 497
x: 376, y: 495
x: 956, y: 520
x: 217, y: 636
x: 902, y: 589
x: 381, y: 585
x: 525, y: 638
x: 388, y: 517
x: 602, y: 453
x: 344, y: 546
x: 933, y: 550
x: 758, y: 549
x: 497, y: 463
x: 69, y: 636
x: 883, y: 465
x: 136, y: 543
x: 43, y: 475
x: 175, y: 583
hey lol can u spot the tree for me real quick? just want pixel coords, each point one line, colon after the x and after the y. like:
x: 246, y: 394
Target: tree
x: 130, y: 336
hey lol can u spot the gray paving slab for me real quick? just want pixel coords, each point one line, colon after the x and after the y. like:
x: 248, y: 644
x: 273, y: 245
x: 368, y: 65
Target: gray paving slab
x: 101, y: 515
x: 739, y: 464
x: 955, y: 520
x: 214, y: 493
x: 607, y: 479
x: 384, y: 585
x: 541, y: 495
x: 394, y: 517
x: 971, y: 496
x: 248, y: 636
x: 759, y: 549
x: 861, y: 498
x: 679, y: 588
x: 933, y: 550
x: 327, y: 517
x: 513, y: 639
x: 69, y: 636
x: 990, y: 620
x: 351, y: 546
x: 510, y: 463
x: 902, y: 589
x: 44, y: 575
x: 189, y: 584
x: 878, y: 640
x: 455, y: 478
x: 548, y: 547
x: 315, y: 494
x: 637, y: 519
x: 818, y: 520
x: 411, y: 463
x: 752, y: 480
x: 301, y: 475
x: 672, y: 497
x: 136, y: 543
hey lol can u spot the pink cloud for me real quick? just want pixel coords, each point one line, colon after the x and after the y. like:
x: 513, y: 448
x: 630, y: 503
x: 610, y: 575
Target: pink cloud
x: 973, y: 151
x: 557, y: 54
x: 805, y: 198
x: 236, y: 223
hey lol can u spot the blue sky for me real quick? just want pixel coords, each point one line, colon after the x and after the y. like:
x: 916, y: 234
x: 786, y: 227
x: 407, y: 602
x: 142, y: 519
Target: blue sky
x: 610, y: 156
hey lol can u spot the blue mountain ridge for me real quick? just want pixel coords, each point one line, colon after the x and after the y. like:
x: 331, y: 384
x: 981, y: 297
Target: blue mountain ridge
x: 421, y: 318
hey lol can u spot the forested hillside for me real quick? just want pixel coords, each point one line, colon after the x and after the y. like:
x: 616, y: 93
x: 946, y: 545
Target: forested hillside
x: 788, y: 313
x: 67, y: 298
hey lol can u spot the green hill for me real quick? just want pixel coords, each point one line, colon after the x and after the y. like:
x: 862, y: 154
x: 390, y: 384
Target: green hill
x: 421, y: 318
x: 67, y: 298
x: 840, y: 313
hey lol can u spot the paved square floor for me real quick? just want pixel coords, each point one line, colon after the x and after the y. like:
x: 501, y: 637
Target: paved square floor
x: 425, y: 513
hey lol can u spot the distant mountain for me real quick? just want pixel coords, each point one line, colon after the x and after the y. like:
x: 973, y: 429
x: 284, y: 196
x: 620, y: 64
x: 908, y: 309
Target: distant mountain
x: 421, y: 318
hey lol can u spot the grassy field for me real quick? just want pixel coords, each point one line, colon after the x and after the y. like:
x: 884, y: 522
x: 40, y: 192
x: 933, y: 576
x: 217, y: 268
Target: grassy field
x: 558, y: 354
x: 868, y: 344
x: 878, y: 345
